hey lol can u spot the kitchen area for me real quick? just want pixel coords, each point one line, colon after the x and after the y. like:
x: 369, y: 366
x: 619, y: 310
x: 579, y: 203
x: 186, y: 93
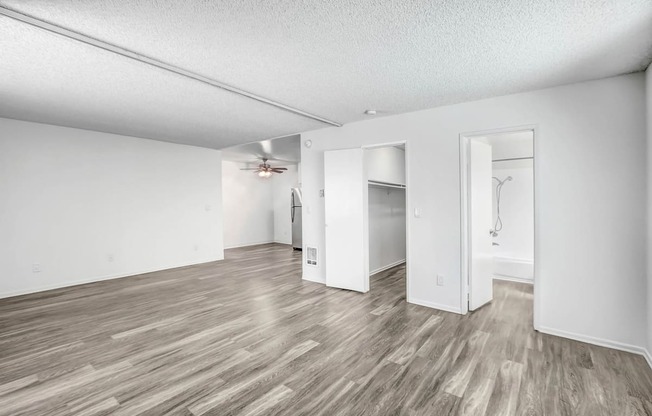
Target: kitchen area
x: 261, y: 193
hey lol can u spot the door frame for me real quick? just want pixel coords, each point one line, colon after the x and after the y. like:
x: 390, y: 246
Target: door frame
x: 464, y: 139
x: 408, y: 217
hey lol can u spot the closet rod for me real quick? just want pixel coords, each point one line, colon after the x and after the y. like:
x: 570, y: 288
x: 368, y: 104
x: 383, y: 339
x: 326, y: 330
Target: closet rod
x: 513, y: 158
x: 388, y: 185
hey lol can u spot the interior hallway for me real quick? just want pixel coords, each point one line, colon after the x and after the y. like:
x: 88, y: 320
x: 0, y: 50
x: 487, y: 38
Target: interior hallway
x: 248, y: 336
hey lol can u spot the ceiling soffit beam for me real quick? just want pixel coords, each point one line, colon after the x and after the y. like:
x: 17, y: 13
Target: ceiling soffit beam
x: 71, y: 34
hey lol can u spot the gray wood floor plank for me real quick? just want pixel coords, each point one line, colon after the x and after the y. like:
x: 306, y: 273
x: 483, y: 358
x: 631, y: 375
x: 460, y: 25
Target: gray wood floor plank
x: 247, y: 336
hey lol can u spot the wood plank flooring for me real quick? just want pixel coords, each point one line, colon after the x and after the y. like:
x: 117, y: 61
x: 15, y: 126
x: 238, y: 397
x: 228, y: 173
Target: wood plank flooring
x: 247, y: 336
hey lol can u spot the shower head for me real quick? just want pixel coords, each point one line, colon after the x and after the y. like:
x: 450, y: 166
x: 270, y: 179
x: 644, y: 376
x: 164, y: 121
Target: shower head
x: 509, y: 178
x: 499, y: 223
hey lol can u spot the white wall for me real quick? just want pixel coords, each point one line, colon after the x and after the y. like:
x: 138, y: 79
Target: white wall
x: 88, y: 206
x: 385, y: 164
x: 248, y: 207
x: 648, y: 93
x: 517, y: 144
x: 281, y: 185
x: 516, y: 239
x: 386, y: 227
x: 590, y: 184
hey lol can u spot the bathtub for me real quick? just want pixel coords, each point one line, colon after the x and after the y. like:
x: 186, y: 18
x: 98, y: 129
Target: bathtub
x: 509, y: 268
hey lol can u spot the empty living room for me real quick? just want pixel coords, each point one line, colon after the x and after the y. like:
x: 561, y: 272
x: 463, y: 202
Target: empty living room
x: 326, y: 208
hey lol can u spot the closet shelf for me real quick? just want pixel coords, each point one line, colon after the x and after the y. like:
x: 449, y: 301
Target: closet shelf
x: 387, y: 184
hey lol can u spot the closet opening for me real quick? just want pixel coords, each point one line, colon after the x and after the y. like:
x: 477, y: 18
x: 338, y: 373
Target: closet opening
x: 386, y: 213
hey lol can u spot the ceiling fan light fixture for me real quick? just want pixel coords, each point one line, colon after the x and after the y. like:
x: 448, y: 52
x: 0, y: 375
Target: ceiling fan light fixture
x: 265, y: 170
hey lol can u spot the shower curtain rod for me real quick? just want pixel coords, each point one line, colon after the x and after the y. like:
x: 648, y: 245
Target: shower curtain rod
x: 513, y: 158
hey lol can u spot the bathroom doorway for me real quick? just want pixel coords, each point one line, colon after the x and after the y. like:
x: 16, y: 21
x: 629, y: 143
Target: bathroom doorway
x: 498, y: 215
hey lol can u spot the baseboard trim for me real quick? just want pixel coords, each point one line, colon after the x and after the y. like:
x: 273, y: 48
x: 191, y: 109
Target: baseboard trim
x: 285, y: 243
x: 250, y: 244
x: 313, y: 279
x: 647, y: 356
x: 445, y: 308
x: 389, y: 266
x: 45, y: 288
x: 513, y: 279
x: 601, y: 342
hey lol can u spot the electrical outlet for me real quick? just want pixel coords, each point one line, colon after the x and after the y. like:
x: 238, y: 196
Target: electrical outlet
x: 440, y: 280
x: 195, y: 247
x: 36, y: 268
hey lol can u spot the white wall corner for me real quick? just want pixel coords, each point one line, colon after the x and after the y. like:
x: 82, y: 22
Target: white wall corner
x: 314, y: 279
x: 600, y: 342
x: 647, y: 356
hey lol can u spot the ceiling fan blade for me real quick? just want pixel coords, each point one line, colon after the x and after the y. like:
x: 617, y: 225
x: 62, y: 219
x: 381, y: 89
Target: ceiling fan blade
x: 261, y: 155
x: 281, y: 168
x: 277, y: 170
x: 284, y: 161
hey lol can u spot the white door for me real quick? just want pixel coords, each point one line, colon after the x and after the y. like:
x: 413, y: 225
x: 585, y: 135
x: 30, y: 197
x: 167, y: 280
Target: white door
x: 480, y: 186
x: 345, y: 193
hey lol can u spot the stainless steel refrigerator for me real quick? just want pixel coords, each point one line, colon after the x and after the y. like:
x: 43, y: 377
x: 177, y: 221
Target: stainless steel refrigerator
x: 295, y: 210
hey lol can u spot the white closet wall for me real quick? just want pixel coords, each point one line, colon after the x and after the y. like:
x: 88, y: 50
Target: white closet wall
x: 386, y: 164
x: 386, y: 227
x: 386, y: 207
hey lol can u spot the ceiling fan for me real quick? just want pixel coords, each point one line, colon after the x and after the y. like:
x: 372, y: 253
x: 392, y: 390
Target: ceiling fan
x: 264, y: 170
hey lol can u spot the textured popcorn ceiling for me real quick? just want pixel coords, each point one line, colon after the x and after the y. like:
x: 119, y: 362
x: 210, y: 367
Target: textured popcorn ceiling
x: 331, y: 58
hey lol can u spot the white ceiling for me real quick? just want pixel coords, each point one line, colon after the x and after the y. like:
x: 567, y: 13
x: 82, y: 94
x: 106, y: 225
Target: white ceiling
x: 280, y: 152
x: 331, y: 58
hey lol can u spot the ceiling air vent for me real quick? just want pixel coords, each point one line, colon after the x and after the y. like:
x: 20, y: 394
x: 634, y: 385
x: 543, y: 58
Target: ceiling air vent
x: 311, y: 256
